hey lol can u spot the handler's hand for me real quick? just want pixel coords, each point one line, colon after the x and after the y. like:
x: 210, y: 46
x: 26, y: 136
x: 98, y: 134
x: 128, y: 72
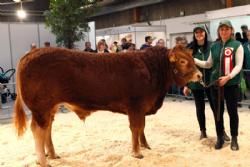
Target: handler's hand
x: 186, y: 91
x: 223, y: 80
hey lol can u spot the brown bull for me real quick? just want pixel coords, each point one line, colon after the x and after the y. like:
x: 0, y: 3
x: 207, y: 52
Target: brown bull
x: 130, y: 83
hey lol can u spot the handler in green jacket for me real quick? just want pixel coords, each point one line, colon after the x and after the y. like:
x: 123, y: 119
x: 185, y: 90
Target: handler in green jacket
x: 201, y: 49
x: 226, y: 59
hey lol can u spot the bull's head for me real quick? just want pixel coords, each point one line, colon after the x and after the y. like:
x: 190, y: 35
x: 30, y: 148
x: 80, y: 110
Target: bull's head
x: 183, y: 67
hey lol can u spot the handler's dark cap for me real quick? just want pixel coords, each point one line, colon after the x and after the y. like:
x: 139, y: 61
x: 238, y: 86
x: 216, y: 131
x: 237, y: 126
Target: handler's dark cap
x: 199, y: 27
x: 225, y: 23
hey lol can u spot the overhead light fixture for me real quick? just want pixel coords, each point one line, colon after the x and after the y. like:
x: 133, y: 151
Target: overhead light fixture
x: 21, y: 14
x: 17, y: 1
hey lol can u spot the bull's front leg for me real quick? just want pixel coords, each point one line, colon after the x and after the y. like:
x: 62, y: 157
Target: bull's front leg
x: 49, y: 144
x: 137, y: 123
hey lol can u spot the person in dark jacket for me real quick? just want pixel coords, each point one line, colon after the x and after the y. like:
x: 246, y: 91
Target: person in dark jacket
x: 148, y: 42
x: 201, y: 49
x: 246, y: 62
x: 88, y: 47
x: 226, y: 59
x: 244, y: 29
x: 238, y: 37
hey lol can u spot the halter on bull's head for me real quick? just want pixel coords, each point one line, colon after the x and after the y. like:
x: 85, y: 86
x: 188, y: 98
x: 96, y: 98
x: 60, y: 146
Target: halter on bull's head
x: 183, y: 67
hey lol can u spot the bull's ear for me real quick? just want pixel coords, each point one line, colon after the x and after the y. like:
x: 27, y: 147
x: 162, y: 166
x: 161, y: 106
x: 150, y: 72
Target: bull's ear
x: 171, y: 56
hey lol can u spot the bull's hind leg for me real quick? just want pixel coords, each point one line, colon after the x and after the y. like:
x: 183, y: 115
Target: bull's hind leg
x: 48, y: 142
x: 39, y: 135
x: 143, y: 140
x: 137, y: 122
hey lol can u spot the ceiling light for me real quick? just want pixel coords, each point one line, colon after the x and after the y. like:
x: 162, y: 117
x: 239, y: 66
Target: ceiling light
x: 21, y: 14
x: 16, y: 0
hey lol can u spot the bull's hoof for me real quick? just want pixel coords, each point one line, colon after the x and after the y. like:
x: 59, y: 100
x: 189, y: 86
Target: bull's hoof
x: 54, y: 157
x: 146, y: 146
x: 138, y: 155
x: 38, y: 163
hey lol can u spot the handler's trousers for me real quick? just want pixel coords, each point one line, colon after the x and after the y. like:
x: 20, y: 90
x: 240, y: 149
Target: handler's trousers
x: 199, y: 98
x: 231, y: 97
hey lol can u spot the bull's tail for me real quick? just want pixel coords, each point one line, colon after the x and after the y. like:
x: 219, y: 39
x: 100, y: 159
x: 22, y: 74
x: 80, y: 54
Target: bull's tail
x: 19, y: 114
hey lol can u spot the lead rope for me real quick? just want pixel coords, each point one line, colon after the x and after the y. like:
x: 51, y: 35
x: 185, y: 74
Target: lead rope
x: 210, y: 84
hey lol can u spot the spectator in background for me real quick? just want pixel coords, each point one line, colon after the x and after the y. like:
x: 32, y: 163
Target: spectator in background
x: 105, y: 44
x: 246, y: 62
x: 178, y: 40
x: 114, y: 48
x: 124, y: 44
x: 88, y: 47
x: 101, y: 47
x: 244, y: 29
x: 130, y: 41
x: 33, y: 46
x: 131, y: 47
x: 148, y: 43
x: 46, y: 44
x: 161, y: 43
x: 182, y: 41
x: 238, y: 37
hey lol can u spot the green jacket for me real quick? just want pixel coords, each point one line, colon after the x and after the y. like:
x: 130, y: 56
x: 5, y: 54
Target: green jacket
x: 201, y: 54
x: 230, y: 46
x: 246, y: 63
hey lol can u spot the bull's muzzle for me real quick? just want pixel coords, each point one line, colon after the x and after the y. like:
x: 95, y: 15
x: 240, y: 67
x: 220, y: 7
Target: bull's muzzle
x: 197, y: 76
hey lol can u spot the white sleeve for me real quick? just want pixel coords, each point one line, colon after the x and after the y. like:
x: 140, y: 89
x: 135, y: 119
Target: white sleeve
x: 239, y: 57
x: 204, y: 64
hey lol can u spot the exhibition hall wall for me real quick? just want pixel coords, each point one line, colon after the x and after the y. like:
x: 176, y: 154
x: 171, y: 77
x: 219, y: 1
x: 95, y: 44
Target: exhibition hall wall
x: 16, y: 39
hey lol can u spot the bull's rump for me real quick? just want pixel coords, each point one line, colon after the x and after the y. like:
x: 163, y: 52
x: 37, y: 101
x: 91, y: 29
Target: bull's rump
x: 62, y: 75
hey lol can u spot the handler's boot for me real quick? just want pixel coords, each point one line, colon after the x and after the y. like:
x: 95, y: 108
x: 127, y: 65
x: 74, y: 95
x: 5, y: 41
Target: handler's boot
x: 219, y: 143
x: 203, y: 134
x: 234, y: 144
x: 225, y: 136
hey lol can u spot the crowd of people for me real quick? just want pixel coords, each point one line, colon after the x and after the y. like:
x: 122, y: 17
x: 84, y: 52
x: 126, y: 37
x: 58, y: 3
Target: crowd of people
x: 125, y: 45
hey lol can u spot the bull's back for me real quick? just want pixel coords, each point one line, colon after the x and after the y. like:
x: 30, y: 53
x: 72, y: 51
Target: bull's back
x: 60, y: 75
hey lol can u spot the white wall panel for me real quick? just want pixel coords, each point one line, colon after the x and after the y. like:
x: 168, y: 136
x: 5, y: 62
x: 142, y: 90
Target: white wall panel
x: 92, y: 34
x: 5, y: 59
x: 46, y: 35
x: 22, y: 35
x: 89, y: 36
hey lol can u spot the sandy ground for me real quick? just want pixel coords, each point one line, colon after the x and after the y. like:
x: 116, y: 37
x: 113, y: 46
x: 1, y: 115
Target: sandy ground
x: 104, y: 140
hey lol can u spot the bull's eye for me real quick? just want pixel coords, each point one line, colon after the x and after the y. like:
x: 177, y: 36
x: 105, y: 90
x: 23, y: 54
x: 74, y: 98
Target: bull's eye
x: 183, y: 62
